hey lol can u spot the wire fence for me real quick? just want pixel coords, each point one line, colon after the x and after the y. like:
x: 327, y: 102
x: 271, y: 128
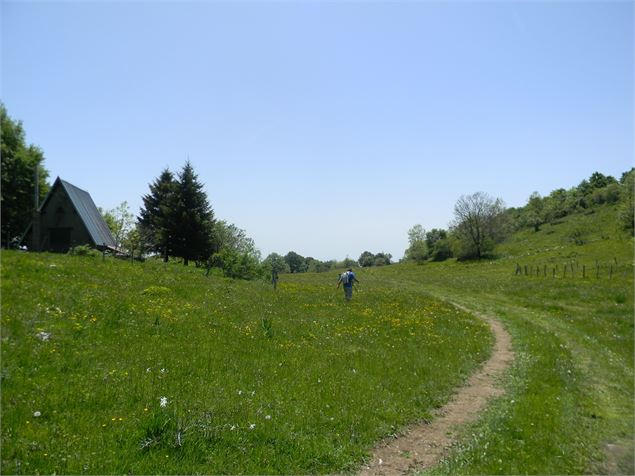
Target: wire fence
x: 572, y: 269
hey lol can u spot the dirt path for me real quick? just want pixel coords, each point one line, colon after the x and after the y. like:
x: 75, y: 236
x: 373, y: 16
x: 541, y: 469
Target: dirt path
x: 423, y: 445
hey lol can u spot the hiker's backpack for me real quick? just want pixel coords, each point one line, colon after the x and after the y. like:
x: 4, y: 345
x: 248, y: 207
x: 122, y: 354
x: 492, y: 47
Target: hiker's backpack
x: 345, y: 277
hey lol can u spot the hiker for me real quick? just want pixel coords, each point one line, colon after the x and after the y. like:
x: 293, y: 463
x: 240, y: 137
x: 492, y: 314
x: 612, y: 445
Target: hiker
x: 347, y: 278
x: 274, y: 278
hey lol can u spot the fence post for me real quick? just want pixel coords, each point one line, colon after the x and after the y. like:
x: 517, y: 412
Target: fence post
x: 525, y: 270
x: 584, y: 271
x: 544, y: 271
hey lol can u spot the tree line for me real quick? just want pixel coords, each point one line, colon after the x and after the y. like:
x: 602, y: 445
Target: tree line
x: 177, y: 221
x: 481, y: 221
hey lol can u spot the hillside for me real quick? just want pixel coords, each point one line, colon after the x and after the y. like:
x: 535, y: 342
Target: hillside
x: 136, y: 367
x: 569, y: 408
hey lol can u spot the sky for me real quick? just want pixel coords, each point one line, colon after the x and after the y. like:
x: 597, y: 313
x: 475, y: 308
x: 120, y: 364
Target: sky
x: 324, y: 128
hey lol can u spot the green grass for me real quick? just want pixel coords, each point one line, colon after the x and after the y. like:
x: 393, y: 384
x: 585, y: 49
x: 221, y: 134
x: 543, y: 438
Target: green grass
x: 322, y: 380
x: 570, y: 391
x: 256, y: 380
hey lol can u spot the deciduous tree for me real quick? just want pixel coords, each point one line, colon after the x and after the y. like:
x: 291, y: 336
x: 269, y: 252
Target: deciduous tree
x: 478, y: 223
x: 18, y: 169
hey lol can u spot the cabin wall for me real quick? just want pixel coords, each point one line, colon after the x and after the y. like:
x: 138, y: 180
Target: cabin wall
x: 60, y: 226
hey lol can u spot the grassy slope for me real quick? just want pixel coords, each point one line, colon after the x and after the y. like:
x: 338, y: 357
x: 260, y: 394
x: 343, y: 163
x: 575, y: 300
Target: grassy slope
x: 319, y: 380
x: 570, y: 392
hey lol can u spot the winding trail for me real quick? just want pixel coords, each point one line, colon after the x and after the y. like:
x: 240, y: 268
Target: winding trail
x: 423, y: 445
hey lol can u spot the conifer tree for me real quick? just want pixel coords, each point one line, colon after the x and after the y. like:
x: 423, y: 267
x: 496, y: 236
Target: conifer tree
x: 193, y: 218
x: 156, y: 219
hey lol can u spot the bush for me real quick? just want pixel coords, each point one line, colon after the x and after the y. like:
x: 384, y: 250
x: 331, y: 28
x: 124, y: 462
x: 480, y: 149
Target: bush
x: 83, y: 250
x: 577, y: 235
x: 237, y: 265
x: 441, y: 250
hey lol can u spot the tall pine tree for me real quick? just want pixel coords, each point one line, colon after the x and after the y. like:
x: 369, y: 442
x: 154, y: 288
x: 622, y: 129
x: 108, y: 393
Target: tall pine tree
x: 156, y: 221
x: 193, y: 218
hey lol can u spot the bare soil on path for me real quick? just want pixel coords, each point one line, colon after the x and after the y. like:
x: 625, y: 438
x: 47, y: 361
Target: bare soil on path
x: 423, y: 445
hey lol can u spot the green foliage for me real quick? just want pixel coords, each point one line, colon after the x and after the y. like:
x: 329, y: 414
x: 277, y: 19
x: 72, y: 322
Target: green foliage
x: 435, y: 235
x: 578, y: 235
x: 121, y: 223
x: 367, y: 259
x: 176, y: 218
x: 597, y: 191
x: 228, y: 235
x: 322, y: 266
x: 535, y: 211
x: 626, y: 207
x: 155, y: 219
x: 479, y: 223
x: 192, y: 218
x: 19, y: 162
x: 441, y: 250
x: 236, y: 264
x: 295, y: 262
x: 382, y: 259
x: 275, y: 262
x: 418, y: 249
x: 238, y: 256
x: 83, y: 250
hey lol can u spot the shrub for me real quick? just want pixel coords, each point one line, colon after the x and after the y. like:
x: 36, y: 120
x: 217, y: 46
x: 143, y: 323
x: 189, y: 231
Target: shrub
x: 237, y: 265
x: 83, y: 250
x: 577, y: 235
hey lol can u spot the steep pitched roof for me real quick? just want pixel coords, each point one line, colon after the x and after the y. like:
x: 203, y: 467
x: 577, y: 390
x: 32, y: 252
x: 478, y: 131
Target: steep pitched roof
x: 86, y: 209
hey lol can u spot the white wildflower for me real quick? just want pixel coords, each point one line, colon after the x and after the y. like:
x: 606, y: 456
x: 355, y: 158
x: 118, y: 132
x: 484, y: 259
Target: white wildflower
x: 37, y: 414
x: 267, y: 417
x: 240, y: 392
x: 163, y: 402
x: 148, y: 370
x: 252, y: 426
x: 44, y: 336
x: 232, y: 428
x: 162, y: 371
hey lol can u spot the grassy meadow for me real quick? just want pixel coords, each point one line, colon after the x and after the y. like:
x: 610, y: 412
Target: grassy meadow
x: 118, y: 367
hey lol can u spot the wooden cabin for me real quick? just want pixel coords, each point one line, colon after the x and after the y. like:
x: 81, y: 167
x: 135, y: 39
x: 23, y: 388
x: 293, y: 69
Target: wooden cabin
x: 67, y: 217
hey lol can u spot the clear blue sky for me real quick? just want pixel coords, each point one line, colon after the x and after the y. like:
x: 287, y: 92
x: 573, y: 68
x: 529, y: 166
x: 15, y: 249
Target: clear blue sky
x: 327, y: 128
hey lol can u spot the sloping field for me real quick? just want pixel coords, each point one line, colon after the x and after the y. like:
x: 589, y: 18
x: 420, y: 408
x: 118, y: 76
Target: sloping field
x: 568, y: 408
x: 117, y: 367
x: 113, y: 367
